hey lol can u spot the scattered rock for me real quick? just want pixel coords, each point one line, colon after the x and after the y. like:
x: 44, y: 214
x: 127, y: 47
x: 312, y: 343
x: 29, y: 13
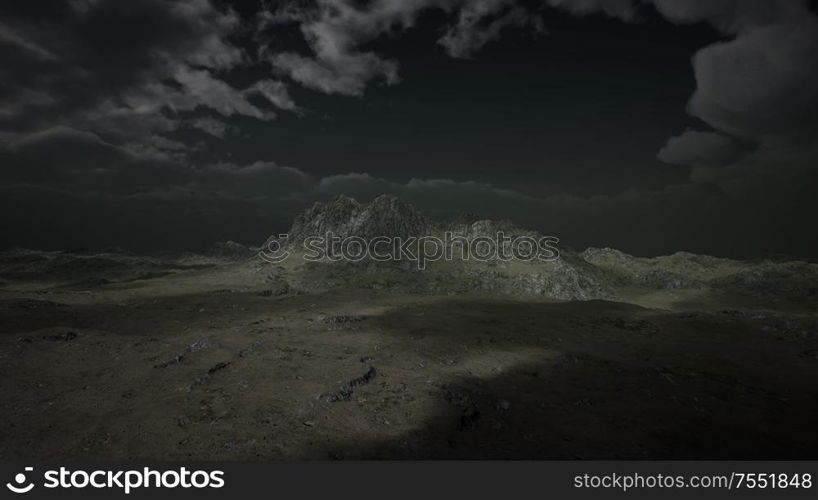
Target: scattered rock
x: 176, y: 360
x: 217, y: 367
x: 61, y: 337
x: 247, y: 350
x: 346, y: 390
x: 279, y: 288
x: 194, y: 347
x: 330, y: 320
x: 341, y: 322
x: 198, y: 346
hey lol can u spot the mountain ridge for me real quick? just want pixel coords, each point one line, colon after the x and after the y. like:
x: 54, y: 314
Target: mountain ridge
x: 595, y: 273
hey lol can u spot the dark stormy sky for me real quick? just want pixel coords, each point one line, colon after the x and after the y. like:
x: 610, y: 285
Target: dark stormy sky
x: 648, y: 125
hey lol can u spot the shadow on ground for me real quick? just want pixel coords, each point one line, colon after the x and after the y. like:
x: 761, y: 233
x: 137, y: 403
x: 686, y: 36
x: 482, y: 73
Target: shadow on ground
x: 587, y: 408
x: 627, y: 383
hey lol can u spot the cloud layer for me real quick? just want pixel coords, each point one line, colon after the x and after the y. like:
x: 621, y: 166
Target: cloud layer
x: 99, y: 100
x: 128, y: 70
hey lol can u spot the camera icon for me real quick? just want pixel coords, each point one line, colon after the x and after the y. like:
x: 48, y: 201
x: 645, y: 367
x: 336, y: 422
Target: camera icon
x: 20, y: 479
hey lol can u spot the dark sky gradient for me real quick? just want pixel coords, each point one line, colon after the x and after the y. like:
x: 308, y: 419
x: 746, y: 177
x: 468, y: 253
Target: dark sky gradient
x: 653, y: 126
x: 584, y: 108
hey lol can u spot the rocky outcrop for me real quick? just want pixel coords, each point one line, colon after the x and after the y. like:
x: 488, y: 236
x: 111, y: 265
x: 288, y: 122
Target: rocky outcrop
x: 569, y: 277
x: 676, y: 271
x: 389, y: 216
x: 562, y: 279
x: 335, y: 215
x: 596, y: 273
x: 775, y: 280
x: 345, y: 217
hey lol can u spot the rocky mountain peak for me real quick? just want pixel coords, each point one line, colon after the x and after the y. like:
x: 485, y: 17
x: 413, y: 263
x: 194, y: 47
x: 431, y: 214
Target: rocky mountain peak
x: 390, y: 216
x: 343, y: 216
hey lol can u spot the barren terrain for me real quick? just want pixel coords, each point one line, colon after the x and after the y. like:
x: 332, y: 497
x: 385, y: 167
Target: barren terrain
x: 208, y: 358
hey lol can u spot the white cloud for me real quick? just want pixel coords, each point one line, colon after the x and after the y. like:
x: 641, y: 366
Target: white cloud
x: 130, y: 70
x: 345, y: 74
x: 701, y: 148
x: 336, y: 31
x: 471, y: 31
x: 763, y: 82
x: 623, y: 9
x: 208, y: 125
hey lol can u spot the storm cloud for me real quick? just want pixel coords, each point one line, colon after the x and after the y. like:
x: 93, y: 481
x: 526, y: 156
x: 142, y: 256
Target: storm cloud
x: 127, y: 70
x: 133, y: 113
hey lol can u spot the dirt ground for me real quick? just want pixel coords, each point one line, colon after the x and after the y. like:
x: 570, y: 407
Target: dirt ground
x: 200, y: 365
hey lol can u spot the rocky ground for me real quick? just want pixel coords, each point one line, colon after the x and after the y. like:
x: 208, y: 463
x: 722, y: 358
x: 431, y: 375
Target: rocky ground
x: 221, y: 355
